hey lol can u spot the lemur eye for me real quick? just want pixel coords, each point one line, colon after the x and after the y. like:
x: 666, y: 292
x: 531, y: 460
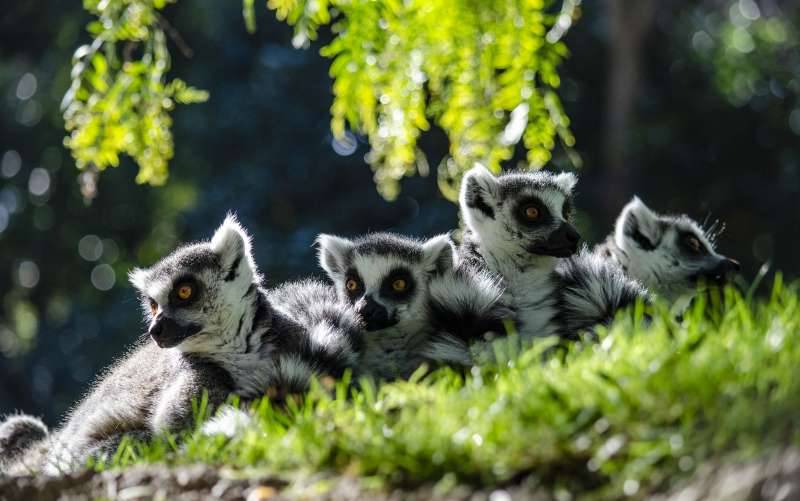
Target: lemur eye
x: 531, y: 212
x: 153, y: 307
x: 399, y: 285
x: 694, y: 244
x: 351, y: 285
x: 185, y: 291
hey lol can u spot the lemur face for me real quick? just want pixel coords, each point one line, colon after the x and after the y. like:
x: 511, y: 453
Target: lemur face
x: 194, y: 298
x: 520, y: 214
x: 384, y: 276
x: 669, y: 254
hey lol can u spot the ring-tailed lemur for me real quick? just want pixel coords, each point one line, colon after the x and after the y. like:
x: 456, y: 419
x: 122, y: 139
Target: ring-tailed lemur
x: 213, y: 328
x: 416, y: 306
x: 668, y: 254
x: 518, y: 225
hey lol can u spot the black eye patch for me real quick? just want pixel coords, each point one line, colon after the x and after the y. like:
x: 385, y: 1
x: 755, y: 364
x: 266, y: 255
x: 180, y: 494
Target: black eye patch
x: 691, y: 244
x: 566, y: 210
x: 532, y: 212
x: 353, y: 285
x: 185, y: 291
x: 398, y: 285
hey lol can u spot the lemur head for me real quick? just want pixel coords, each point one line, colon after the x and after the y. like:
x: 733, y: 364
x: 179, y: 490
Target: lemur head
x: 385, y: 276
x: 669, y: 254
x: 195, y: 298
x: 520, y: 215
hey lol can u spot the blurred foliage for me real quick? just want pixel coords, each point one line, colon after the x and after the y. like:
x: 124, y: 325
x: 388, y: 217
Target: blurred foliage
x: 751, y: 52
x: 485, y: 72
x: 119, y: 100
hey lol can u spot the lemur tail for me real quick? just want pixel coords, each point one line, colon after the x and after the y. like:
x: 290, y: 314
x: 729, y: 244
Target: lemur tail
x: 18, y: 432
x: 465, y: 306
x: 593, y: 291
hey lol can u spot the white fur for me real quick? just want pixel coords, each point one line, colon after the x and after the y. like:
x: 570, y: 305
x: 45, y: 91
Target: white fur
x: 439, y: 250
x: 332, y: 250
x: 528, y: 278
x: 447, y: 349
x: 229, y: 422
x: 665, y: 269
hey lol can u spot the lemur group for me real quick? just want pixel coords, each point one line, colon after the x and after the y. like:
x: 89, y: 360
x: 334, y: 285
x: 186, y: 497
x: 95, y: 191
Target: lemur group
x: 393, y: 304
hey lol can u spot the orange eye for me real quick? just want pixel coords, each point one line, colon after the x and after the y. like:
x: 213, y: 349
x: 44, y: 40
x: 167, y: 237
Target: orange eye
x: 351, y: 285
x: 399, y: 285
x: 532, y: 213
x: 153, y: 307
x: 185, y: 292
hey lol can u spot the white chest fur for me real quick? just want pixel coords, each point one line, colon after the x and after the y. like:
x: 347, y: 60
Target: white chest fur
x: 531, y: 289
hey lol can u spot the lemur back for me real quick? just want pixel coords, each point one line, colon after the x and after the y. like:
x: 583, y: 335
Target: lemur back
x: 670, y: 255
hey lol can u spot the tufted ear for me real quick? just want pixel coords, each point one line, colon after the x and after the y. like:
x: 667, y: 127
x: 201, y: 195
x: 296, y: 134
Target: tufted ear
x: 479, y: 192
x: 439, y: 254
x: 566, y: 181
x: 138, y: 278
x: 638, y: 225
x: 232, y: 244
x: 333, y: 254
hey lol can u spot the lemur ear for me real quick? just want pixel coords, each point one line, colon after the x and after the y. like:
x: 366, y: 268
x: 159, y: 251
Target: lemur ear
x: 639, y: 224
x: 566, y: 181
x: 333, y: 253
x: 439, y: 254
x: 138, y: 278
x: 479, y: 190
x: 232, y: 244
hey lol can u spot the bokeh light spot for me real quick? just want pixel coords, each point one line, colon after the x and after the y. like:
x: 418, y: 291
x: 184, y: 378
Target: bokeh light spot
x: 90, y: 247
x: 103, y: 277
x: 9, y: 198
x: 749, y: 10
x: 28, y: 274
x: 10, y: 164
x: 26, y: 87
x: 346, y: 145
x: 39, y: 182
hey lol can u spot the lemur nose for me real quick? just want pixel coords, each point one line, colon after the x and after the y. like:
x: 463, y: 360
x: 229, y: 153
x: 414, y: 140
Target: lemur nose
x: 733, y: 264
x: 572, y: 234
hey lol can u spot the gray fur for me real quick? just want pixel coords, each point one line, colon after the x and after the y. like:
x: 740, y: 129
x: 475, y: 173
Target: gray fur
x: 231, y: 336
x: 405, y: 331
x: 592, y: 291
x: 507, y: 247
x: 552, y: 291
x: 17, y: 433
x: 651, y: 248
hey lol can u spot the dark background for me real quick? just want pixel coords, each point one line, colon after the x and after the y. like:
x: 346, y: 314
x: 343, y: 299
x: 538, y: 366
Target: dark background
x: 660, y: 106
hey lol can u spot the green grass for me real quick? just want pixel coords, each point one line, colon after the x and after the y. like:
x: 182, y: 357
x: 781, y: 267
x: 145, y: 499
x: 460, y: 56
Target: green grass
x: 635, y: 412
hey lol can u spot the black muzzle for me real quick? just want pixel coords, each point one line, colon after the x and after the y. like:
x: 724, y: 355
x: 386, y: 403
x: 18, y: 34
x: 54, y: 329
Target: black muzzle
x: 168, y: 333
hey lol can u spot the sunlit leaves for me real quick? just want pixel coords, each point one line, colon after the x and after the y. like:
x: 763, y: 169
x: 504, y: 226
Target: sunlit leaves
x: 484, y: 72
x: 120, y: 101
x: 464, y: 65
